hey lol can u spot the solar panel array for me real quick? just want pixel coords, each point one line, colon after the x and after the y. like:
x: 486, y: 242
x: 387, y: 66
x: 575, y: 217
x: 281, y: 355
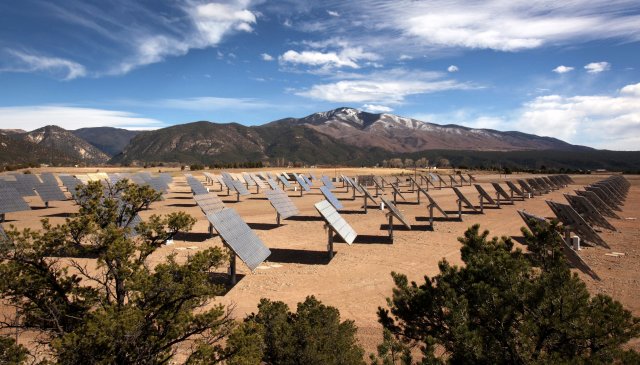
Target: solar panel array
x: 395, y: 212
x: 239, y: 237
x: 595, y: 200
x: 331, y: 198
x: 514, y: 189
x: 397, y: 191
x: 11, y: 201
x: 463, y: 199
x: 335, y: 220
x: 258, y: 181
x: 209, y: 203
x: 282, y: 203
x: 526, y: 187
x: 3, y: 235
x: 284, y: 181
x: 272, y: 184
x: 501, y: 193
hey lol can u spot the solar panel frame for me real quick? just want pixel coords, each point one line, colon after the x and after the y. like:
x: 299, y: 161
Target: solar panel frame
x: 306, y: 179
x: 602, y: 206
x: 353, y: 184
x: 281, y: 202
x: 463, y: 199
x: 397, y: 191
x: 248, y: 179
x: 239, y: 237
x: 331, y: 198
x: 272, y: 184
x: 368, y: 194
x: 395, y: 212
x: 433, y: 203
x: 240, y: 188
x: 335, y: 221
x: 514, y: 189
x: 604, y: 196
x: 258, y: 181
x: 501, y: 192
x: 526, y: 187
x: 284, y: 181
x: 11, y: 201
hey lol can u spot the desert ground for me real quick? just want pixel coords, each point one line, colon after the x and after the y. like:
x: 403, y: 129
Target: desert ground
x: 357, y: 280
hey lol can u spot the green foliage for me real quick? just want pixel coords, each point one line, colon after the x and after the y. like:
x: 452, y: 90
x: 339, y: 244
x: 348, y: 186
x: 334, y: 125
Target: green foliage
x: 11, y: 353
x: 499, y: 309
x: 313, y: 335
x: 117, y: 309
x: 391, y: 351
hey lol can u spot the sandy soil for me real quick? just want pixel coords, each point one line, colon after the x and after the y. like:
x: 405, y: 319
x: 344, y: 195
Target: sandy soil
x: 357, y: 279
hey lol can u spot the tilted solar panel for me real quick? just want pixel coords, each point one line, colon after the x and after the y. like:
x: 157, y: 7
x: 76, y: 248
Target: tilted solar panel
x: 284, y: 181
x: 272, y: 184
x: 50, y: 193
x: 595, y: 200
x: 395, y: 212
x: 209, y: 203
x: 239, y: 237
x: 583, y: 207
x: 282, y: 203
x: 500, y: 191
x: 484, y: 194
x: 303, y: 184
x: 367, y: 194
x: 196, y: 186
x: 572, y: 220
x: 335, y: 220
x: 331, y: 198
x: 327, y: 182
x: 464, y: 199
x: 11, y: 201
x: 514, y: 188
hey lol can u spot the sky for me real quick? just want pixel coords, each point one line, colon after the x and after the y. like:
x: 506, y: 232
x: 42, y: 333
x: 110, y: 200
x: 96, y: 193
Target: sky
x: 567, y: 69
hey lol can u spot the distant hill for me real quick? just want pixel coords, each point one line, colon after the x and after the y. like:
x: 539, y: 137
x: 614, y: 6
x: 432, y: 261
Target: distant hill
x: 109, y: 140
x: 50, y: 145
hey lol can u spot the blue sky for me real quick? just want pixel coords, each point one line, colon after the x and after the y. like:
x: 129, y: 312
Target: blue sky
x: 568, y: 69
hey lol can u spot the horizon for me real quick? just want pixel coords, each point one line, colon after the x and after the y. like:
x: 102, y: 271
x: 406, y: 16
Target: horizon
x: 564, y: 70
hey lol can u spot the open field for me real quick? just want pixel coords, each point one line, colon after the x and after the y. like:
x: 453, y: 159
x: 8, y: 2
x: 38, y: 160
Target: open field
x: 357, y: 279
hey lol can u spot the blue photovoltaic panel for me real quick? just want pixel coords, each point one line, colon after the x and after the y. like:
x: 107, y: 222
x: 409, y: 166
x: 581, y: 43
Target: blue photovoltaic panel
x: 48, y: 179
x: 196, y: 186
x: 239, y: 237
x: 50, y: 193
x: 284, y: 181
x: 306, y: 179
x: 353, y: 184
x: 335, y: 220
x: 327, y: 182
x: 484, y: 194
x: 286, y: 176
x: 395, y: 212
x: 209, y: 203
x: 247, y: 178
x: 303, y: 184
x: 272, y: 184
x: 11, y: 201
x: 331, y: 198
x: 368, y: 194
x: 258, y: 181
x: 240, y: 188
x: 281, y: 203
x: 3, y: 235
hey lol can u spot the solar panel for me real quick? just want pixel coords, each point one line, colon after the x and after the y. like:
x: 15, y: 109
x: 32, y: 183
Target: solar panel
x: 572, y: 256
x: 306, y: 180
x: 248, y: 179
x: 433, y: 204
x: 514, y: 189
x: 395, y: 212
x: 209, y: 203
x: 286, y: 176
x: 282, y: 203
x: 484, y: 195
x: 526, y: 187
x: 11, y: 201
x: 50, y: 193
x: 550, y: 183
x: 272, y: 184
x: 583, y: 207
x: 284, y: 181
x: 536, y: 186
x: 573, y: 221
x: 434, y: 177
x: 313, y: 177
x: 335, y: 220
x: 25, y: 183
x: 501, y: 193
x: 608, y: 192
x: 331, y: 198
x: 353, y: 184
x: 604, y: 196
x: 396, y: 191
x: 196, y: 186
x: 3, y: 235
x: 463, y: 180
x: 239, y: 237
x: 368, y: 194
x: 240, y: 188
x: 327, y: 182
x: 463, y: 199
x: 595, y: 200
x: 166, y: 177
x: 48, y: 178
x: 303, y: 184
x: 258, y: 181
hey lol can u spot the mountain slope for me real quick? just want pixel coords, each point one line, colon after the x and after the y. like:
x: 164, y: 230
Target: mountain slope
x: 399, y: 134
x: 109, y: 140
x: 18, y: 151
x: 63, y: 143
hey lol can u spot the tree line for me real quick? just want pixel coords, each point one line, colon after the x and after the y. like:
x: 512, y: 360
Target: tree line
x: 86, y: 294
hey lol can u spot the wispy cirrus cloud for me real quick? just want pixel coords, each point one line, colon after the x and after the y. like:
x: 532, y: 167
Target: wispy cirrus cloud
x: 562, y: 69
x: 22, y: 61
x: 72, y: 117
x: 386, y: 87
x: 597, y: 67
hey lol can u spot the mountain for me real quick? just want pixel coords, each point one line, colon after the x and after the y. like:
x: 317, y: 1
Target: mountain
x: 52, y: 143
x: 7, y: 132
x: 109, y: 140
x: 18, y: 151
x: 398, y: 134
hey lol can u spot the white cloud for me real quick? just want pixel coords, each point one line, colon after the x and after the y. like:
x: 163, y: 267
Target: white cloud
x: 597, y: 67
x: 206, y: 103
x: 266, y: 57
x: 494, y: 24
x: 373, y: 108
x: 389, y: 87
x: 601, y: 121
x: 29, y: 62
x: 210, y: 23
x: 404, y: 57
x: 333, y: 13
x: 452, y: 68
x: 70, y: 117
x: 347, y: 57
x: 562, y: 69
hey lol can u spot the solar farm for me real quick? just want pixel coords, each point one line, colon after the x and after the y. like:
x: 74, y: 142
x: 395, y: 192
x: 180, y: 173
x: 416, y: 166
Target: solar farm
x: 337, y: 234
